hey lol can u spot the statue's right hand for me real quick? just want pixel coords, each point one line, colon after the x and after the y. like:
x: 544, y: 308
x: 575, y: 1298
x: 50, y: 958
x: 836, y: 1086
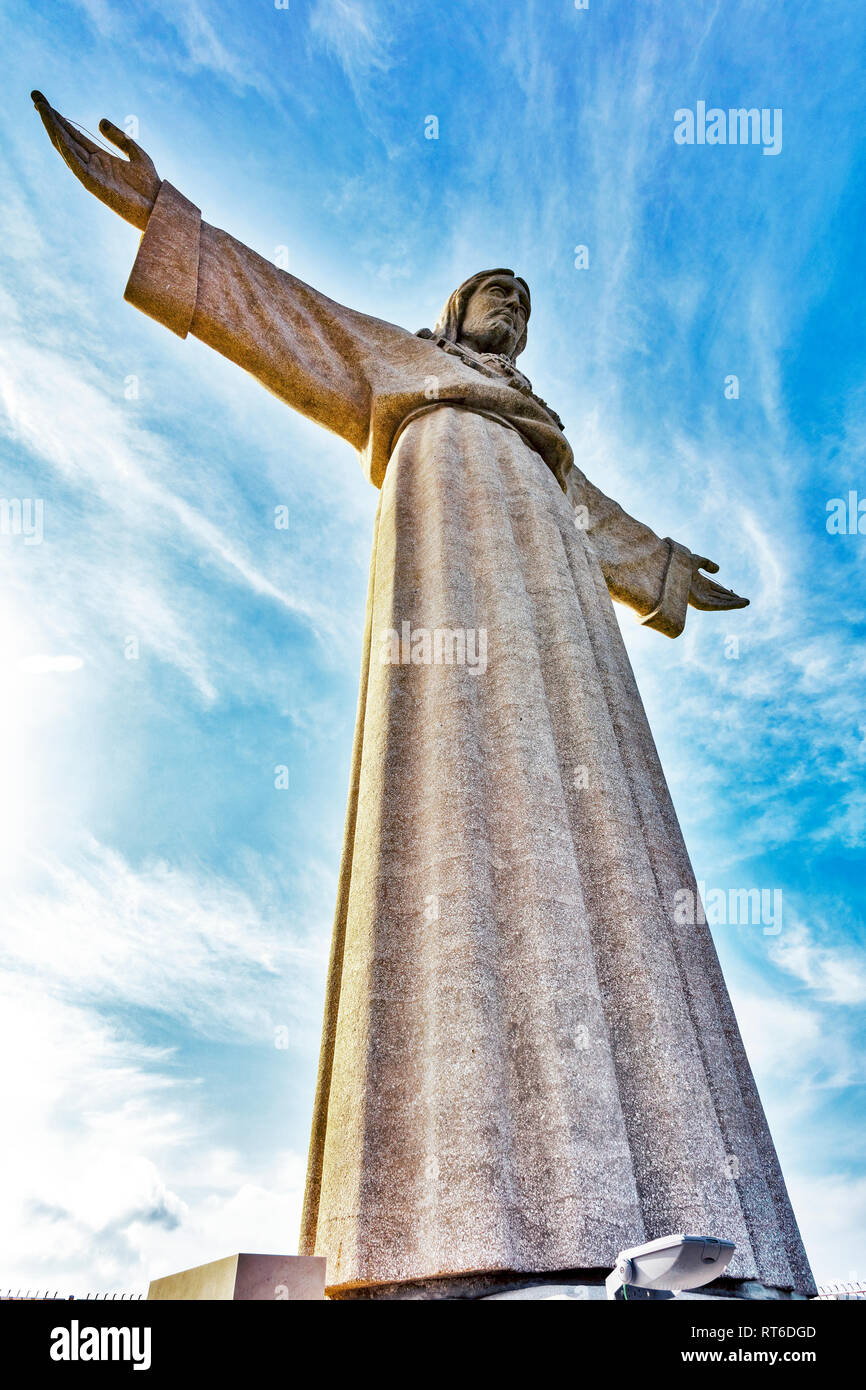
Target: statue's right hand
x: 129, y: 186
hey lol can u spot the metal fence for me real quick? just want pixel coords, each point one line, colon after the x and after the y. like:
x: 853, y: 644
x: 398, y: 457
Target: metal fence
x: 842, y: 1291
x: 825, y: 1291
x: 28, y: 1296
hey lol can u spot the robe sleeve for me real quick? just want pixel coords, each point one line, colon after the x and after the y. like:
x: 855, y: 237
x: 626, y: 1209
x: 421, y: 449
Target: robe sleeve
x: 316, y: 355
x: 649, y: 574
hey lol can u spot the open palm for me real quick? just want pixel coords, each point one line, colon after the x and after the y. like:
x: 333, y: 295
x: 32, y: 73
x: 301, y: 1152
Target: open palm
x: 706, y: 594
x: 129, y: 186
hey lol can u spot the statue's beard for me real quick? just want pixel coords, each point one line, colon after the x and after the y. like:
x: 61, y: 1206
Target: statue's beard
x: 498, y: 336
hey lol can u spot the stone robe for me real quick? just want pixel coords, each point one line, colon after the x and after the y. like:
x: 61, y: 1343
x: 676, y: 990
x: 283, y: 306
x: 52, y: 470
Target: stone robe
x: 527, y: 1064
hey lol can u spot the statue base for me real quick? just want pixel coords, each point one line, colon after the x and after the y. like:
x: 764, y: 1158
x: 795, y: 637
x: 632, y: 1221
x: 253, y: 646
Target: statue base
x: 565, y: 1284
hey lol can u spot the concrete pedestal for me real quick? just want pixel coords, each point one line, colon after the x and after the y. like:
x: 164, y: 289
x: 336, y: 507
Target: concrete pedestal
x: 275, y: 1277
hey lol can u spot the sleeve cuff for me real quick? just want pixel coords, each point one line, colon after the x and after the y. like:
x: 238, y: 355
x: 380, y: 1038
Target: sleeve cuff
x: 669, y: 614
x: 164, y: 279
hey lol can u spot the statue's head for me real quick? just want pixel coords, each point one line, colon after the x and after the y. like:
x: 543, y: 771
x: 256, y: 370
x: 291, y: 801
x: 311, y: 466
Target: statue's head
x: 488, y: 313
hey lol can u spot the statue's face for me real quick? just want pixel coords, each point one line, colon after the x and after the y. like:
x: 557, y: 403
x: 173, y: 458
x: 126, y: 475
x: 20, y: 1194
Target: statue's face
x: 495, y: 317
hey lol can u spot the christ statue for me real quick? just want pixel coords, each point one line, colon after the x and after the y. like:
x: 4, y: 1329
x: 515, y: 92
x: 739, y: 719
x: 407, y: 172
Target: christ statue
x: 529, y: 1059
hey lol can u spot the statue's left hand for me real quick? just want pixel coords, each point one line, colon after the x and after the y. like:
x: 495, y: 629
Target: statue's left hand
x: 129, y: 186
x: 706, y: 593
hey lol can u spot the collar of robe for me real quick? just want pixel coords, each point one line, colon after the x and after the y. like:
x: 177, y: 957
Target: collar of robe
x: 492, y: 364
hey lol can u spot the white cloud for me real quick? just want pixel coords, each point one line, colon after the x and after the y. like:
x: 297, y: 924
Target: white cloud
x: 779, y: 1036
x: 238, y: 1210
x: 113, y: 1178
x: 88, y: 439
x: 832, y: 971
x: 847, y: 822
x: 831, y: 1213
x: 198, y: 43
x: 45, y: 665
x: 355, y: 33
x: 199, y: 950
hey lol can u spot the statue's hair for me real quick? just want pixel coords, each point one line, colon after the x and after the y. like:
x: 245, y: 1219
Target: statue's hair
x: 450, y: 321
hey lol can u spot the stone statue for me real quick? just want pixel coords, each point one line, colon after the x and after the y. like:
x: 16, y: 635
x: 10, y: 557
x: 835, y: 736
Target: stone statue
x: 528, y: 1063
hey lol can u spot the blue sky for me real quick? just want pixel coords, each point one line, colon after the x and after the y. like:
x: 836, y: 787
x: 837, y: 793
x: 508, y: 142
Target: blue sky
x: 166, y: 907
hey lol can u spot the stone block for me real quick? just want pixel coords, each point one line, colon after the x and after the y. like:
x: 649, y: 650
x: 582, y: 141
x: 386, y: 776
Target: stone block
x: 280, y: 1278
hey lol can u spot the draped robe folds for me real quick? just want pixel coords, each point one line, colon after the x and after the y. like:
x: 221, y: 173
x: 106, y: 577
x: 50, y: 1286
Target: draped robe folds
x: 527, y: 1063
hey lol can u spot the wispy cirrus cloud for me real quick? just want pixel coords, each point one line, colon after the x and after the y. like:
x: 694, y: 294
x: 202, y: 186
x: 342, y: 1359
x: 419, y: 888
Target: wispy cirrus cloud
x: 88, y: 439
x: 828, y: 963
x: 94, y: 929
x: 357, y: 33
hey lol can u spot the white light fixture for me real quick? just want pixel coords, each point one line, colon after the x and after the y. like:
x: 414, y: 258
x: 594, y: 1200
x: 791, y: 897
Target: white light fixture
x: 671, y: 1263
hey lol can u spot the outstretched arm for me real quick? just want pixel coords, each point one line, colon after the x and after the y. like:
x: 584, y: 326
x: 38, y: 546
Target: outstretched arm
x: 658, y: 578
x: 316, y: 355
